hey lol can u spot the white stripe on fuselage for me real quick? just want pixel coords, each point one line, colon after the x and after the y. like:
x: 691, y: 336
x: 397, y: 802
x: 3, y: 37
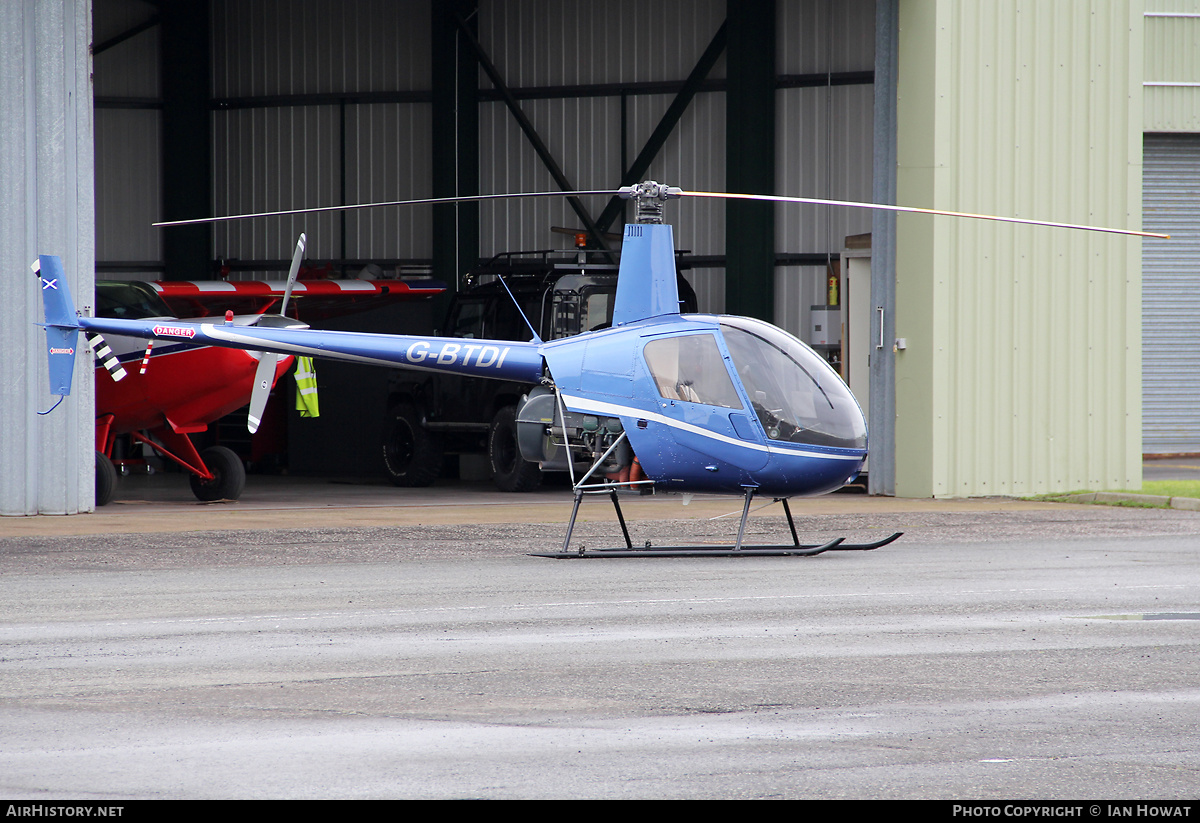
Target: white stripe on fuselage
x: 588, y: 406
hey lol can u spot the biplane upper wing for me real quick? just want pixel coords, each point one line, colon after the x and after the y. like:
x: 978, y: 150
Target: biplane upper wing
x: 314, y: 299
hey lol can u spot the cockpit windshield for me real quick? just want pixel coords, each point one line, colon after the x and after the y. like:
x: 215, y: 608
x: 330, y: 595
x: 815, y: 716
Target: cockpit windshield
x: 128, y: 300
x: 797, y: 396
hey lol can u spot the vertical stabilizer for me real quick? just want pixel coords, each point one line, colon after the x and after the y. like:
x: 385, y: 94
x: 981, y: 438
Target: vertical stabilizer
x: 646, y: 285
x: 62, y: 327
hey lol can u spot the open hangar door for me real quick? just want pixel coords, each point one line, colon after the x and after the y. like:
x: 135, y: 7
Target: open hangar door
x: 328, y: 102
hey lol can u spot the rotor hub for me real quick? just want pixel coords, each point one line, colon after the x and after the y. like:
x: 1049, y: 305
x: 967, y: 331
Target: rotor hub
x: 649, y: 198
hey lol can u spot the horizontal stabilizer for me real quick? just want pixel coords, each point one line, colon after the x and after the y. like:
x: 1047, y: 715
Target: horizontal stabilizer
x: 60, y: 345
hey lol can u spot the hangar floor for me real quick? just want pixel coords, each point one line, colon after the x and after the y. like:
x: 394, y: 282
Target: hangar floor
x: 164, y: 503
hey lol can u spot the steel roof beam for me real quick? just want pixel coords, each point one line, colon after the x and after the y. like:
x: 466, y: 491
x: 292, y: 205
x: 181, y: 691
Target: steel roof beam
x: 531, y: 134
x: 666, y: 125
x: 117, y: 40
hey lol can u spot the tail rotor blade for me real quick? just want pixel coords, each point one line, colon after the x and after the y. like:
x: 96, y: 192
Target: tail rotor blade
x: 106, y: 357
x: 264, y: 378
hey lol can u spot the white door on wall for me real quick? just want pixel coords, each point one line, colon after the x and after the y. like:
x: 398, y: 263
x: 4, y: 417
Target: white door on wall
x: 858, y: 341
x: 856, y: 326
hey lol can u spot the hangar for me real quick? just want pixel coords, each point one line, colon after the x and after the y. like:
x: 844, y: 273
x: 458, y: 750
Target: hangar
x: 999, y: 359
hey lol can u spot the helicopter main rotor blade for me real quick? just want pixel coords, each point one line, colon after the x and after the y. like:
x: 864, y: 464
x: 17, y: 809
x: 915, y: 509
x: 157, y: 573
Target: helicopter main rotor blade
x: 915, y: 210
x: 470, y: 198
x: 668, y: 192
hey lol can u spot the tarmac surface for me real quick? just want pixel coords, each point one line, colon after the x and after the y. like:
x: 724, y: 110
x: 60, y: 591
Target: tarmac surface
x: 1171, y: 468
x: 344, y: 640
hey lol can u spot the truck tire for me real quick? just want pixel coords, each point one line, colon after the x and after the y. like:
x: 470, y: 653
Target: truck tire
x: 229, y: 476
x: 412, y: 456
x: 106, y: 480
x: 510, y: 472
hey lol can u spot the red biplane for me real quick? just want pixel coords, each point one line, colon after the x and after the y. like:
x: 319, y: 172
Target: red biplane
x: 161, y: 393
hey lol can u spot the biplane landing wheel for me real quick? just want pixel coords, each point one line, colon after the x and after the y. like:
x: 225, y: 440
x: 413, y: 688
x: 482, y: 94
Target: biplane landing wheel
x: 510, y: 471
x: 412, y: 455
x: 106, y: 480
x: 229, y: 476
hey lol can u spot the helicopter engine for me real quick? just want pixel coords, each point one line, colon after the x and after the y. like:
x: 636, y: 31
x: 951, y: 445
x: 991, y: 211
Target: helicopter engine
x: 547, y: 438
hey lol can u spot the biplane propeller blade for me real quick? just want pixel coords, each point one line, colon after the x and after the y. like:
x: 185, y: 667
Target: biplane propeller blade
x: 264, y: 375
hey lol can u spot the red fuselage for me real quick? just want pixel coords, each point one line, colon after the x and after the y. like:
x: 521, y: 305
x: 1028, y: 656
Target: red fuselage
x: 183, y: 389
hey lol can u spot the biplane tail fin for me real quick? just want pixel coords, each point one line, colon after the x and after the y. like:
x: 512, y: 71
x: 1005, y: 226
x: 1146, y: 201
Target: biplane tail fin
x: 62, y: 324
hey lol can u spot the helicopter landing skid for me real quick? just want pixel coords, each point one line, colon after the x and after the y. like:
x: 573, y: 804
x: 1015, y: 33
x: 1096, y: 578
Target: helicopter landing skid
x: 795, y: 549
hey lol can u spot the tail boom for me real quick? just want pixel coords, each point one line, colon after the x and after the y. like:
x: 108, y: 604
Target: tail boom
x: 497, y: 359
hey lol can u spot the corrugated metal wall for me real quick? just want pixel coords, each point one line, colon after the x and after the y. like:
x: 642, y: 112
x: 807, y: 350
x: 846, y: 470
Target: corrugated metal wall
x: 1023, y: 367
x: 46, y: 207
x: 283, y: 138
x: 1172, y: 66
x: 1171, y: 295
x: 823, y: 139
x: 824, y: 133
x: 1171, y: 198
x: 543, y: 43
x: 274, y: 153
x: 824, y: 144
x: 128, y: 139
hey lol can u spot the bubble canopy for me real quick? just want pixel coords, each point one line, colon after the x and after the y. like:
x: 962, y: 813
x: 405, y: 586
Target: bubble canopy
x: 797, y: 396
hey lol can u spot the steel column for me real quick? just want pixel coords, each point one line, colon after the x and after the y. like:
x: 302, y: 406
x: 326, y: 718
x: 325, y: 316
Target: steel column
x: 186, y: 138
x: 455, y: 153
x: 750, y: 159
x: 47, y: 462
x: 881, y: 475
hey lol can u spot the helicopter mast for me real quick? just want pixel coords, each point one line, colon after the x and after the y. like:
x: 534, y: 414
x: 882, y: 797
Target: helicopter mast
x: 646, y: 284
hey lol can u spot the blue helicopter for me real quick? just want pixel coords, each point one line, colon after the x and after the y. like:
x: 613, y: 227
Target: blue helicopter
x: 684, y: 403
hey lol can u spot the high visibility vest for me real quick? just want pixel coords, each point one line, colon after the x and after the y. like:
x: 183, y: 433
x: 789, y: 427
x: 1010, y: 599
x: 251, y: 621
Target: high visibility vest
x: 306, y: 388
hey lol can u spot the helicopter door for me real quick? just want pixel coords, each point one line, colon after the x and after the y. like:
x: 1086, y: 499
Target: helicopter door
x: 696, y: 391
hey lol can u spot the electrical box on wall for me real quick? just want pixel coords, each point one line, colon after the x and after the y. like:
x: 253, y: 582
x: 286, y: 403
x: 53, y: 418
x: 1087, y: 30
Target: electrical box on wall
x: 825, y: 326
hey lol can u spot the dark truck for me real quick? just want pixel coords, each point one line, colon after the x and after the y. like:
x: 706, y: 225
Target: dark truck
x: 431, y: 415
